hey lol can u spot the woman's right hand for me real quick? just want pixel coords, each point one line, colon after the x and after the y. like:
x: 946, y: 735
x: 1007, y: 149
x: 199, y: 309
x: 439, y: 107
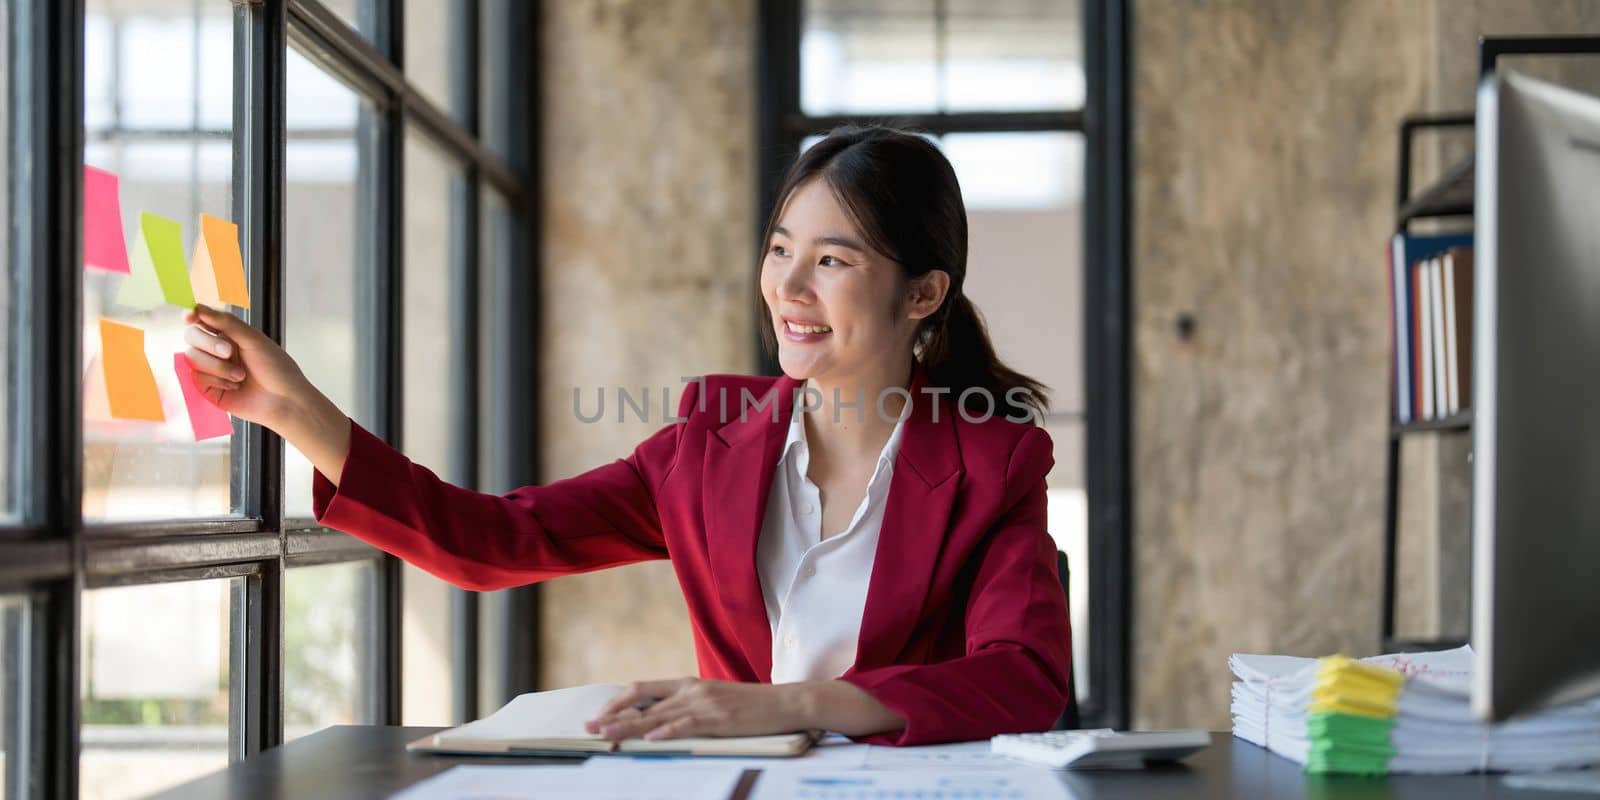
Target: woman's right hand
x: 249, y: 376
x: 242, y: 371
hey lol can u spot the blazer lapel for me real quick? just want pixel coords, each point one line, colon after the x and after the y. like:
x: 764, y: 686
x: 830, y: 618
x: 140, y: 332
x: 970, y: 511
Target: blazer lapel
x: 739, y: 466
x: 916, y: 518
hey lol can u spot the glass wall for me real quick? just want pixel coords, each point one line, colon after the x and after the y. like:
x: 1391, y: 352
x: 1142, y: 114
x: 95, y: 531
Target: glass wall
x: 155, y: 685
x: 140, y: 606
x: 329, y: 664
x: 329, y: 226
x: 159, y: 117
x: 433, y: 232
x: 13, y: 681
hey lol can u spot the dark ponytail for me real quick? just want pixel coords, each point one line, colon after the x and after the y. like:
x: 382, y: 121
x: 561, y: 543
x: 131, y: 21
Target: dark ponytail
x: 903, y: 195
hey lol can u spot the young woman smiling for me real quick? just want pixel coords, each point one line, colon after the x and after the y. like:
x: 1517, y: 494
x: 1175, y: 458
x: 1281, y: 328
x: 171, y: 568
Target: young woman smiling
x: 862, y: 547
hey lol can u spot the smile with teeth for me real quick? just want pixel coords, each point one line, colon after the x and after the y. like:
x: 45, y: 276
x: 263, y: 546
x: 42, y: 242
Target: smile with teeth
x: 808, y: 328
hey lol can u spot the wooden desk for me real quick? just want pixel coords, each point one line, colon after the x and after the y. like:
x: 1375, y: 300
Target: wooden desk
x: 369, y: 761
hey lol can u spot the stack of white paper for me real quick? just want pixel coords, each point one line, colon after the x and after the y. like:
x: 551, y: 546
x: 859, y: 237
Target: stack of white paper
x: 1335, y: 715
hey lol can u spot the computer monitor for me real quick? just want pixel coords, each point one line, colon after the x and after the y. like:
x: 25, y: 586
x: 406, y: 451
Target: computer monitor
x: 1536, y: 395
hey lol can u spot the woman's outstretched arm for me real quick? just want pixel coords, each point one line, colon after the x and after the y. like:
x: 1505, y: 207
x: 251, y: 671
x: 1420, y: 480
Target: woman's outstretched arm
x: 601, y: 518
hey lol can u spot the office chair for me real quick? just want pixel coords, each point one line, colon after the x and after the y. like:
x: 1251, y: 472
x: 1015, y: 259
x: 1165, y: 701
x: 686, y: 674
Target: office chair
x: 1069, y: 717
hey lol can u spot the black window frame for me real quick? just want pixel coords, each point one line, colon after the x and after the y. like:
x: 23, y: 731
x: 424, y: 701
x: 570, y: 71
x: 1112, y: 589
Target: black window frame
x: 782, y: 125
x: 50, y: 555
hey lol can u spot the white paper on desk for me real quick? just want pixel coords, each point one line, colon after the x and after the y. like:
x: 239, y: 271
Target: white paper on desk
x: 575, y: 783
x: 924, y: 784
x: 961, y: 755
x: 827, y: 755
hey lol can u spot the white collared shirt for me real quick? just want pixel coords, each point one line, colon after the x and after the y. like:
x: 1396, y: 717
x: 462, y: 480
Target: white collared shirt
x: 815, y: 589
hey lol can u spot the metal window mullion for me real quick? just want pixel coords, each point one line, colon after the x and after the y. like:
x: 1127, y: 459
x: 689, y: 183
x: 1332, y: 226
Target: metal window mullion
x: 518, y: 411
x: 777, y: 64
x: 51, y: 142
x: 1108, y: 437
x: 259, y: 97
x: 941, y: 123
x: 465, y: 250
x: 387, y: 404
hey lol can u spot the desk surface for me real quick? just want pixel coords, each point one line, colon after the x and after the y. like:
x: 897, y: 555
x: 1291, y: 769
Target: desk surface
x: 369, y: 761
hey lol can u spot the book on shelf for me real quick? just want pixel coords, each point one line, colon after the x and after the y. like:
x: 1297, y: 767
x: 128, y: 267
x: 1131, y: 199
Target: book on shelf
x: 1458, y: 327
x: 1430, y: 306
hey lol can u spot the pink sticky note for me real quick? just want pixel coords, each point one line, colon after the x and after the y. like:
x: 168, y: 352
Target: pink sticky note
x: 208, y: 421
x: 103, y: 245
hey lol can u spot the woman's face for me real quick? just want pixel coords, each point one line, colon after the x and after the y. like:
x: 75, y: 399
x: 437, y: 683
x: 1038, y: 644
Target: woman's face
x: 835, y: 304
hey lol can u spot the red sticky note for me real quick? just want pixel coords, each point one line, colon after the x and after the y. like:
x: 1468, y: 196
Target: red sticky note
x: 208, y: 421
x: 103, y: 245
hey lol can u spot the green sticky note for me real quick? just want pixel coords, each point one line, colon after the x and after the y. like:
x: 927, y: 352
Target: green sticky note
x: 165, y: 240
x: 142, y: 288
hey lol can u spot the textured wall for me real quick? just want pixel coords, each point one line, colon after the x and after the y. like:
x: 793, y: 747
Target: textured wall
x: 1264, y: 159
x: 648, y: 184
x: 1264, y: 153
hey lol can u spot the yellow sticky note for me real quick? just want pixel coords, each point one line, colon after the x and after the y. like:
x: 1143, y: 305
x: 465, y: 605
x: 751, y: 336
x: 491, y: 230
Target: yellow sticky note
x: 165, y: 240
x: 130, y: 384
x: 218, y: 270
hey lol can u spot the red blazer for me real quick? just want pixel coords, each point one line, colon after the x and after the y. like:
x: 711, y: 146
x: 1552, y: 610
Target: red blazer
x: 965, y: 631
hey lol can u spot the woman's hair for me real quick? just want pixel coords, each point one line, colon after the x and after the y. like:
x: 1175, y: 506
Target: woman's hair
x: 902, y: 194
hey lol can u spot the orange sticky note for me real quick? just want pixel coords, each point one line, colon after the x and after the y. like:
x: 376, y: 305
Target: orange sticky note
x: 218, y: 267
x: 130, y: 384
x: 103, y: 244
x: 205, y: 418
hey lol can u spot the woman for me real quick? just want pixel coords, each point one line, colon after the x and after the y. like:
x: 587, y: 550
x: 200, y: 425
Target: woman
x: 878, y: 567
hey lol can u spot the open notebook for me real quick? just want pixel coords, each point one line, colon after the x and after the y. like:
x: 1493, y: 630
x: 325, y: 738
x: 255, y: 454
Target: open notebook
x: 552, y: 723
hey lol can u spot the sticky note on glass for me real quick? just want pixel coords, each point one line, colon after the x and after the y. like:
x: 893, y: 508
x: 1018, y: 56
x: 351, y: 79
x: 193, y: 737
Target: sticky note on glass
x: 217, y: 271
x: 205, y: 418
x: 130, y: 385
x: 142, y: 288
x: 103, y: 244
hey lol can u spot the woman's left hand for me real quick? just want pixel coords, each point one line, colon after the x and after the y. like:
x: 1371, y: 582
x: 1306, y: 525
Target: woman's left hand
x: 694, y: 707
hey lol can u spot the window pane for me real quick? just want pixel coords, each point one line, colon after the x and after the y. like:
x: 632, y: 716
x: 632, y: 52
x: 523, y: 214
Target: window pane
x: 358, y: 14
x: 502, y: 42
x: 495, y: 254
x: 956, y: 55
x: 155, y: 685
x: 865, y: 57
x: 328, y: 233
x: 1013, y: 55
x: 1068, y: 518
x: 328, y: 663
x: 432, y: 60
x: 13, y: 633
x: 158, y: 113
x: 431, y: 234
x: 1024, y: 198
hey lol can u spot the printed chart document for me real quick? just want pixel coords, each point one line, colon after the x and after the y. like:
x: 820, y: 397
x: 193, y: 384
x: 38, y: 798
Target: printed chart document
x: 899, y: 784
x: 575, y: 783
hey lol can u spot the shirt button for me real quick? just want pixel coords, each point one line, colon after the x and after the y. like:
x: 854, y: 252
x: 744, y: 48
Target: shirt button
x: 805, y: 507
x: 789, y: 642
x: 811, y: 571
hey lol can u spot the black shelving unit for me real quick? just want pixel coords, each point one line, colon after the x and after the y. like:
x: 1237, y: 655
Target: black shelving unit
x: 1450, y: 196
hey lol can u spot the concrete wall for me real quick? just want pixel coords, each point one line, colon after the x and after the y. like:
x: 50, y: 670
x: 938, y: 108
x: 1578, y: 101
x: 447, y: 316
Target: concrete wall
x: 649, y: 261
x: 1264, y: 159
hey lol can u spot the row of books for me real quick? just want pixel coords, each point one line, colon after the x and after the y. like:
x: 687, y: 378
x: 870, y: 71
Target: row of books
x: 1398, y: 713
x: 1431, y: 308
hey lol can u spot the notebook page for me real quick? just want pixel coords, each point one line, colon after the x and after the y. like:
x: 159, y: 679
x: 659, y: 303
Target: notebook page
x: 556, y: 714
